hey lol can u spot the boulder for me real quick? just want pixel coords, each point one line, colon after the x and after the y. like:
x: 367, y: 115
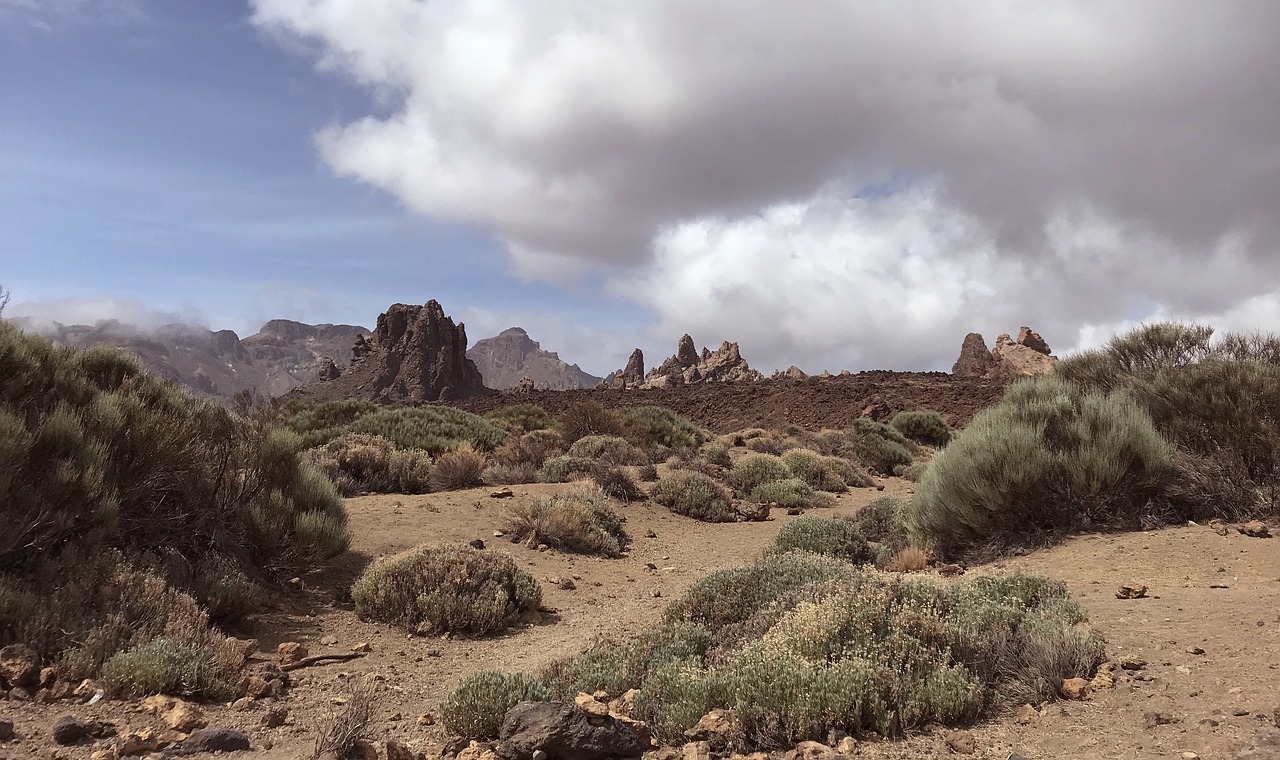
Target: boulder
x: 524, y: 386
x: 210, y: 740
x: 1032, y: 340
x: 329, y: 370
x: 1009, y: 360
x: 19, y: 666
x: 564, y: 731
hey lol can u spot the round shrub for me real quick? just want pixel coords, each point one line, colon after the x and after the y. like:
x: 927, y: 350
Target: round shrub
x: 609, y: 449
x: 828, y: 537
x: 754, y: 469
x: 1048, y: 458
x: 790, y: 493
x: 521, y: 418
x: 881, y: 522
x: 580, y: 520
x: 695, y: 495
x: 923, y: 426
x: 588, y: 418
x: 653, y: 427
x: 716, y: 454
x: 459, y: 468
x: 476, y: 708
x: 450, y: 587
x: 819, y: 472
x: 879, y: 447
x: 358, y: 463
x: 556, y: 470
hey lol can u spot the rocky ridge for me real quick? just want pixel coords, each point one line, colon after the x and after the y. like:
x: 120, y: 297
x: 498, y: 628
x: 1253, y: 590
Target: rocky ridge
x: 686, y: 367
x: 1010, y: 359
x: 511, y: 356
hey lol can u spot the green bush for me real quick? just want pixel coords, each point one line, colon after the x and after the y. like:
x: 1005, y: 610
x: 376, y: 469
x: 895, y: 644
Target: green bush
x: 509, y: 474
x: 923, y: 426
x: 581, y: 521
x: 434, y: 429
x: 837, y: 538
x: 1046, y: 459
x: 556, y: 470
x: 532, y: 449
x: 756, y: 469
x: 616, y: 483
x: 817, y: 471
x: 615, y: 667
x: 791, y: 493
x: 609, y: 449
x: 653, y: 427
x: 588, y: 418
x: 518, y: 419
x: 881, y: 522
x: 449, y: 587
x: 366, y: 463
x: 104, y: 463
x: 879, y: 447
x: 165, y: 666
x: 717, y: 454
x: 695, y: 495
x: 475, y: 709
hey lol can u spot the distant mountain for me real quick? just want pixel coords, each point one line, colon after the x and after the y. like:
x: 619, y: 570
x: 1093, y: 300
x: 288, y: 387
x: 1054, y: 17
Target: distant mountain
x: 511, y: 355
x: 281, y: 356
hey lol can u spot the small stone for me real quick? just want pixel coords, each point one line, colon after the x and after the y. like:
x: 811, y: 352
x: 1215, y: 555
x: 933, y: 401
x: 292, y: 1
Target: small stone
x: 498, y: 534
x: 539, y: 755
x: 567, y: 584
x: 591, y: 706
x: 275, y: 717
x: 793, y: 511
x: 543, y: 547
x: 476, y: 543
x: 184, y: 718
x: 329, y: 641
x: 290, y: 652
x: 69, y: 730
x: 1255, y: 529
x: 1189, y: 756
x: 244, y: 703
x: 1183, y: 669
x: 656, y: 594
x: 394, y: 750
x: 104, y: 754
x: 650, y: 534
x: 138, y: 742
x: 362, y: 648
x: 847, y: 745
x: 1131, y: 591
x: 961, y: 742
x: 1194, y: 650
x: 811, y: 750
x: 502, y: 493
x: 1026, y: 714
x: 1153, y: 719
x: 426, y: 719
x: 6, y: 730
x: 1132, y: 663
x: 20, y: 666
x: 696, y: 751
x: 1239, y: 712
x: 1075, y: 688
x: 215, y: 740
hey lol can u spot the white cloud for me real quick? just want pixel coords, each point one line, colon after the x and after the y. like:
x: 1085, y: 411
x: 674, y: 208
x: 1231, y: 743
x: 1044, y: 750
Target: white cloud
x: 44, y: 314
x: 1061, y: 164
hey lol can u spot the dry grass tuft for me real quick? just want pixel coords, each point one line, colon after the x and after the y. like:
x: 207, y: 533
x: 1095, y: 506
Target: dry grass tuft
x: 912, y: 559
x: 580, y: 520
x: 340, y: 733
x: 462, y: 467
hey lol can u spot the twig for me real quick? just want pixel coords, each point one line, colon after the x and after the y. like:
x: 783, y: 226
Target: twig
x: 317, y: 659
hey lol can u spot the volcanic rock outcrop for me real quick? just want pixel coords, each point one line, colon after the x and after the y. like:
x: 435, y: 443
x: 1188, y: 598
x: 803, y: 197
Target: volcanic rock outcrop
x: 416, y: 354
x: 688, y: 367
x: 1010, y: 359
x: 512, y: 355
x: 630, y: 376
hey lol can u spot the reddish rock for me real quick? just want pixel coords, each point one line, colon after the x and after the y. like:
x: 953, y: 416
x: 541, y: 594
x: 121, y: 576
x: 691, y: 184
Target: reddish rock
x: 19, y: 666
x: 1032, y: 340
x: 329, y: 370
x: 1075, y: 688
x: 975, y: 360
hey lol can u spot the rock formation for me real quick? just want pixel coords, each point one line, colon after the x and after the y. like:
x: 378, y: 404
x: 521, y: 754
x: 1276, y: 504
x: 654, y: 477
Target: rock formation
x: 329, y: 370
x: 416, y: 354
x: 630, y: 376
x: 506, y: 358
x: 790, y: 373
x: 1028, y: 355
x: 689, y: 367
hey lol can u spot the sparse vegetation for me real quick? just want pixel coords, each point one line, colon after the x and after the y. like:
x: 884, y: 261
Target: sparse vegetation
x: 588, y: 418
x: 607, y: 449
x: 366, y: 463
x: 475, y: 709
x: 923, y: 426
x: 789, y: 493
x: 580, y: 520
x: 616, y: 483
x: 518, y: 419
x: 348, y: 725
x: 655, y: 428
x: 694, y: 495
x: 434, y: 429
x: 166, y: 666
x: 1048, y: 458
x: 717, y: 455
x: 837, y: 538
x: 756, y: 469
x: 449, y: 587
x: 462, y: 467
x: 819, y: 472
x: 881, y: 522
x: 878, y: 446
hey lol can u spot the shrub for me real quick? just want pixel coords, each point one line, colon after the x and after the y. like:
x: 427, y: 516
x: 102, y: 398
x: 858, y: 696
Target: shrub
x: 1046, y: 459
x: 307, y: 418
x: 648, y: 472
x: 365, y: 463
x: 458, y: 468
x: 509, y: 474
x: 475, y: 709
x: 521, y: 418
x: 695, y: 495
x: 434, y: 429
x: 608, y: 449
x: 556, y: 470
x: 450, y: 587
x: 342, y: 732
x: 863, y: 651
x: 878, y: 446
x: 818, y: 472
x: 653, y: 427
x: 881, y: 522
x: 580, y: 521
x: 615, y: 667
x: 108, y: 470
x: 837, y: 538
x: 924, y: 427
x: 531, y: 449
x: 755, y: 469
x: 771, y: 445
x: 616, y: 483
x: 912, y: 559
x: 791, y: 493
x: 166, y: 666
x: 716, y: 454
x: 588, y: 418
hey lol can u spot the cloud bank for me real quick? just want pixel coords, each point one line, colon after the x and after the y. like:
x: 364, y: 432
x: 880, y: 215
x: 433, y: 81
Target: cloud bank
x: 835, y: 184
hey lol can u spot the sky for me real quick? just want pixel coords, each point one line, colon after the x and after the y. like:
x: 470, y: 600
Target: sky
x: 833, y: 185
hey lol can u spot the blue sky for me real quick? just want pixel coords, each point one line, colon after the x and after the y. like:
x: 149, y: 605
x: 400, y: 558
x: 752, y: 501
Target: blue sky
x: 853, y: 187
x: 167, y: 159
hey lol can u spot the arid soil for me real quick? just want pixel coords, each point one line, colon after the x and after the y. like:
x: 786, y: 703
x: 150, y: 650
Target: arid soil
x: 813, y: 403
x: 1217, y: 593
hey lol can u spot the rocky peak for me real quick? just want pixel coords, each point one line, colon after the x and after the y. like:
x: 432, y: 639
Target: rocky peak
x: 689, y: 366
x: 630, y: 376
x: 1009, y: 360
x: 511, y: 355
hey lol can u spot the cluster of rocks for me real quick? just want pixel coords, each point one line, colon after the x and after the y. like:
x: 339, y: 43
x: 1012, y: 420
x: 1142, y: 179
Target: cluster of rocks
x: 1009, y: 360
x: 687, y: 366
x: 416, y: 354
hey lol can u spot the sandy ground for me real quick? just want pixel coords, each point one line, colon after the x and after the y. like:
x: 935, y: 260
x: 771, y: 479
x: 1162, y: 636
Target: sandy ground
x: 1209, y: 700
